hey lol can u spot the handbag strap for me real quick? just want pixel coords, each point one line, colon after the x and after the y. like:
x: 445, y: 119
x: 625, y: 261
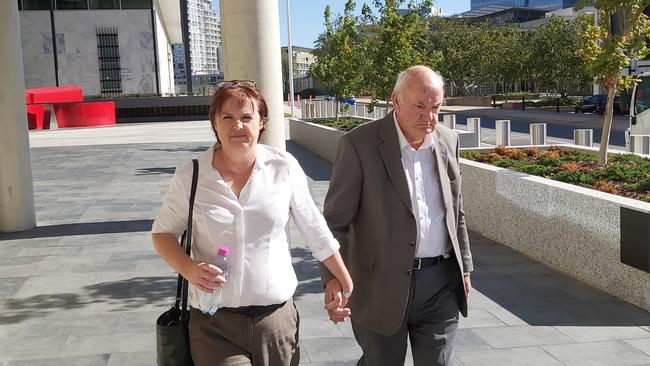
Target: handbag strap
x: 186, y: 241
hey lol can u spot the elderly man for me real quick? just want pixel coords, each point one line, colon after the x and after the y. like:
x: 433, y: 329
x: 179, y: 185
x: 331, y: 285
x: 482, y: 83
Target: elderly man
x: 395, y: 206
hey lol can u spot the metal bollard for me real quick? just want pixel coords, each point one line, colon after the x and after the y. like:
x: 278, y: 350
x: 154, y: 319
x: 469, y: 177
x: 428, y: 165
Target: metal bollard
x: 538, y: 133
x: 583, y: 137
x: 503, y: 132
x: 640, y: 144
x: 449, y: 120
x: 474, y: 125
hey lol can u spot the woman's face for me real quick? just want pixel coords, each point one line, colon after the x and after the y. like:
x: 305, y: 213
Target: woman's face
x: 238, y: 126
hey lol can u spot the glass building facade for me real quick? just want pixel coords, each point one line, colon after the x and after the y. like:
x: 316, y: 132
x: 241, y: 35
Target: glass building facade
x: 540, y: 4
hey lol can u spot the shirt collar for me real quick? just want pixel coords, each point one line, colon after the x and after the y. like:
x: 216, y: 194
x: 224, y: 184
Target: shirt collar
x: 403, y: 143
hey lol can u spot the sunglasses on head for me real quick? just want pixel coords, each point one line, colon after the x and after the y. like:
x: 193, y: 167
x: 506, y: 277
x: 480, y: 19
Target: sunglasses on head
x: 230, y: 83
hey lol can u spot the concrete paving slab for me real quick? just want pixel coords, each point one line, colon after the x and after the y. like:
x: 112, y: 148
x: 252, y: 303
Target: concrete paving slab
x: 339, y: 350
x: 92, y: 360
x: 27, y: 348
x: 506, y: 316
x: 521, y: 336
x: 595, y: 334
x: 642, y: 345
x: 525, y: 356
x: 132, y: 358
x: 480, y: 318
x: 110, y: 343
x: 598, y: 353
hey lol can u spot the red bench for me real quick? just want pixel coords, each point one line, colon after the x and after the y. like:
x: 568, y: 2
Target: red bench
x: 69, y: 108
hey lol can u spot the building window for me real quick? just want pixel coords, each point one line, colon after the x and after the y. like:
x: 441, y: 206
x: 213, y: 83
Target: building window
x: 136, y: 4
x: 104, y: 4
x: 72, y: 4
x: 36, y: 4
x: 108, y: 52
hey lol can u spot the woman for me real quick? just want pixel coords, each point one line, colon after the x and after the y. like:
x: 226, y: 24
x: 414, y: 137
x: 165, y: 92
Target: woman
x: 244, y: 196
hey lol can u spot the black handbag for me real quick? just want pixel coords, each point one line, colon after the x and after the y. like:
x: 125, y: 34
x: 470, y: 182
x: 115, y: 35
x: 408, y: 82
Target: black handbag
x: 172, y: 336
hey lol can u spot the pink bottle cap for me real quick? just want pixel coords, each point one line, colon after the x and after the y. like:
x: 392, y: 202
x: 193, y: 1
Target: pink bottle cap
x: 223, y: 251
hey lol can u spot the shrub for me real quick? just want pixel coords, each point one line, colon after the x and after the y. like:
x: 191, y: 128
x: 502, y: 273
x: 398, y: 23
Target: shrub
x: 536, y: 169
x: 573, y: 177
x: 605, y: 186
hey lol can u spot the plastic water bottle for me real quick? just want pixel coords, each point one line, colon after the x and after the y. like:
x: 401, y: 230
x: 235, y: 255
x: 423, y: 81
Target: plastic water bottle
x: 210, y: 302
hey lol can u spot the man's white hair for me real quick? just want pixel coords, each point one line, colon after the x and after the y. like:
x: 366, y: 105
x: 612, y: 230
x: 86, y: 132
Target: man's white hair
x: 406, y: 76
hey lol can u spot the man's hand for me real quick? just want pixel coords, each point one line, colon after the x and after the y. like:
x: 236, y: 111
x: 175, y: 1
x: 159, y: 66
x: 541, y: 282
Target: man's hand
x: 335, y: 302
x: 468, y: 284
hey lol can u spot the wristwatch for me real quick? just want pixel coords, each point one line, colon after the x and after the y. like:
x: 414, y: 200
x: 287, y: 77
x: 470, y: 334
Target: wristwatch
x: 347, y: 294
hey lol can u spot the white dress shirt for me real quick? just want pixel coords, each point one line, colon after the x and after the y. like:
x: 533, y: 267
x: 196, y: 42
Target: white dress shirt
x: 426, y: 199
x: 253, y: 226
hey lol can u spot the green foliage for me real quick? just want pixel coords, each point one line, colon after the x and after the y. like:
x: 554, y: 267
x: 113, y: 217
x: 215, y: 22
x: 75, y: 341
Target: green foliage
x: 466, y: 48
x: 642, y: 186
x: 548, y: 161
x: 344, y: 123
x: 573, y: 177
x: 554, y: 62
x: 339, y: 51
x: 626, y: 174
x: 619, y: 35
x: 396, y: 42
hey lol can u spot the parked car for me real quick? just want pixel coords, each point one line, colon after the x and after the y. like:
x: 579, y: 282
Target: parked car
x: 351, y: 100
x: 597, y: 104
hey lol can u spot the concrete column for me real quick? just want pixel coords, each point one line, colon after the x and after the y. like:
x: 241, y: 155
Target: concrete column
x: 449, y: 120
x: 474, y: 125
x: 583, y: 137
x: 250, y: 36
x: 640, y: 144
x: 16, y: 187
x: 502, y: 132
x: 537, y: 133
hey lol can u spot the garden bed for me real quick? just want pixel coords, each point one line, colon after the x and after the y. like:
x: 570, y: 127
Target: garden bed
x: 626, y: 175
x: 577, y: 228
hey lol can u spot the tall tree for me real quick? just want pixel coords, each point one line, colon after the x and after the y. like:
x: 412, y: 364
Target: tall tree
x: 554, y: 60
x: 285, y: 73
x: 339, y: 64
x: 396, y: 42
x: 464, y: 47
x: 619, y: 35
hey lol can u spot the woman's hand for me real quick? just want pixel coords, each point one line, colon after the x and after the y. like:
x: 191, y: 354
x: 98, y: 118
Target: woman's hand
x: 204, y: 276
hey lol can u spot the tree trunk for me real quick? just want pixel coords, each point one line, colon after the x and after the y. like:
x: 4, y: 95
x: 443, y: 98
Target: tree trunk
x: 607, y: 122
x: 338, y: 107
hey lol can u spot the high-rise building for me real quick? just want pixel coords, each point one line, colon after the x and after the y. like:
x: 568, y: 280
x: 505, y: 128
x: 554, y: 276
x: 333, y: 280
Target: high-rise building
x: 204, y: 29
x: 205, y: 36
x: 538, y: 4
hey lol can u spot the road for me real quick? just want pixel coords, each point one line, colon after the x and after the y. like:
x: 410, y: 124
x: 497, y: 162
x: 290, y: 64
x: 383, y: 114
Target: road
x: 559, y: 125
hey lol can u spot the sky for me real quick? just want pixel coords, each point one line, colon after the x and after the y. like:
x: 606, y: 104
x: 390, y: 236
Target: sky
x: 307, y: 17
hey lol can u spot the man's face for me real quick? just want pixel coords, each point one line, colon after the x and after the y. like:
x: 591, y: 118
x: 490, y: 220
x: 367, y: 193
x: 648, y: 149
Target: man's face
x: 417, y: 106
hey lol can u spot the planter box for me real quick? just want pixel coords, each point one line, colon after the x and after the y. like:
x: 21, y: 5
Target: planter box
x: 323, y: 140
x: 596, y: 237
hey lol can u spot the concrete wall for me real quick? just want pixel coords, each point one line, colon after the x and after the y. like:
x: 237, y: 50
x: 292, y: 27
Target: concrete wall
x: 165, y: 59
x: 36, y: 41
x: 572, y: 229
x: 77, y: 48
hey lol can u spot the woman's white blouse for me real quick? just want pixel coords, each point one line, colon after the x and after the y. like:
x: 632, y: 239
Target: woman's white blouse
x: 253, y: 227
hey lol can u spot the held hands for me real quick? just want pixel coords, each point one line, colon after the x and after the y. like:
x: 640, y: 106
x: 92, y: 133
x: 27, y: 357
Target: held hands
x: 335, y: 301
x: 204, y: 276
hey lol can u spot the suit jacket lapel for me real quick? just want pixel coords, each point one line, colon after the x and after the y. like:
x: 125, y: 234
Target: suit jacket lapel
x: 441, y: 164
x: 392, y: 157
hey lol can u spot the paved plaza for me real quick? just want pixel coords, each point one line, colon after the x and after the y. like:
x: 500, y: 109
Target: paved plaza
x: 85, y: 287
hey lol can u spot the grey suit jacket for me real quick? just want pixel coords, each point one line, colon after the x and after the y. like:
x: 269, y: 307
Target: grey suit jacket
x: 368, y: 208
